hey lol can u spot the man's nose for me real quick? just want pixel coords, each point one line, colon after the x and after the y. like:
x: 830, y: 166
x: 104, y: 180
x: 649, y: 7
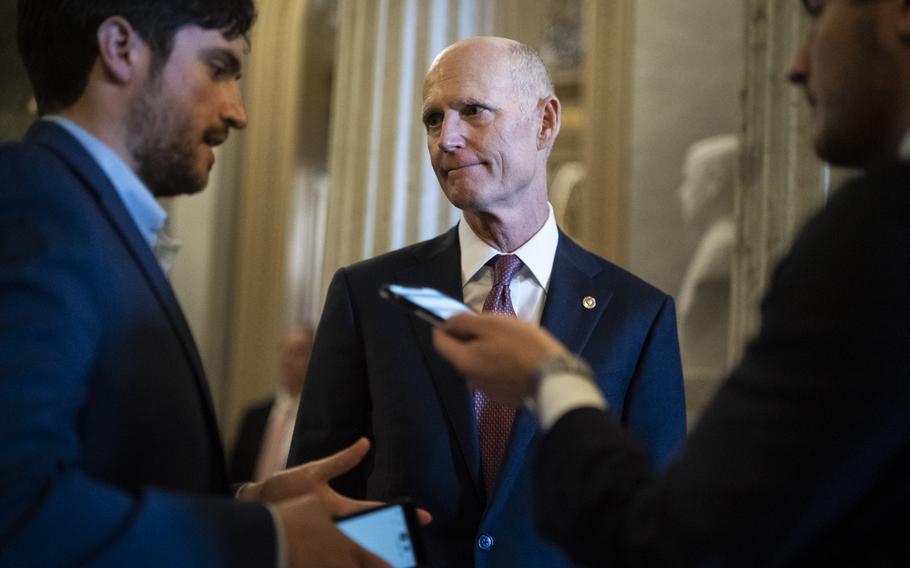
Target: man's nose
x: 451, y: 134
x: 234, y: 113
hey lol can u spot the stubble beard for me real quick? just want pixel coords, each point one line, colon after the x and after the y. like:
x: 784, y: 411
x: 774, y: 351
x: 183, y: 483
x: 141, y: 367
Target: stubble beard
x: 858, y: 128
x: 159, y: 138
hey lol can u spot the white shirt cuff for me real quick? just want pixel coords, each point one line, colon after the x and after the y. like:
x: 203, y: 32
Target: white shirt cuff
x: 560, y: 393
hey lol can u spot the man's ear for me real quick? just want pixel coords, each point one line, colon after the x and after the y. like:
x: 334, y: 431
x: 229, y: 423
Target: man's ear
x: 119, y: 47
x: 549, y: 125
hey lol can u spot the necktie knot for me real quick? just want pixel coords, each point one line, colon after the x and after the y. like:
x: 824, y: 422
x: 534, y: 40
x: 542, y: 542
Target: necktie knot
x: 505, y: 267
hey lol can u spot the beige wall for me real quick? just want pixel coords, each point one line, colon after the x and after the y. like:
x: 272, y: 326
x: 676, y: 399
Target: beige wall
x: 687, y: 80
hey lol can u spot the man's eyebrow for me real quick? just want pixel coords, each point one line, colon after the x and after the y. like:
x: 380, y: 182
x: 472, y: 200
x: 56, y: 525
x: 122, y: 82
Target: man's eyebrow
x: 458, y: 105
x: 471, y: 101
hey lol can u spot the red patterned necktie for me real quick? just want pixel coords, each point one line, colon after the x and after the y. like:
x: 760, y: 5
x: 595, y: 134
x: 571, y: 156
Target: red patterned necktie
x: 494, y: 420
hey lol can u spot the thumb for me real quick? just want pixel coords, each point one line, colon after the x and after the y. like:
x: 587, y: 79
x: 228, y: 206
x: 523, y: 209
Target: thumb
x: 463, y: 325
x: 451, y: 348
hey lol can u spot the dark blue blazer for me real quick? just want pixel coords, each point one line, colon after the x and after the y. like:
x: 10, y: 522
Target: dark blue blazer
x: 374, y: 372
x: 803, y: 456
x: 110, y: 452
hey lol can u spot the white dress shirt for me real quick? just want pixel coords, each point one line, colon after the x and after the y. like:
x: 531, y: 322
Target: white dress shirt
x: 528, y: 287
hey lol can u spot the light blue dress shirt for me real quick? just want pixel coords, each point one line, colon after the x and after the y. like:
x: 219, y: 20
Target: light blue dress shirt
x: 145, y: 212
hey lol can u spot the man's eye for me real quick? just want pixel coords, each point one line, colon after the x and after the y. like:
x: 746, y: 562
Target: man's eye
x: 218, y: 71
x: 432, y: 120
x: 472, y: 110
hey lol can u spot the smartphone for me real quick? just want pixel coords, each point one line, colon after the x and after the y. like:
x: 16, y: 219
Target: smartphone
x: 391, y: 532
x: 426, y: 303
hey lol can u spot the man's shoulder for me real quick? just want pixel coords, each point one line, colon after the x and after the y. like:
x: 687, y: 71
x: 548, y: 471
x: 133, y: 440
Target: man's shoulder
x: 603, y: 270
x: 868, y: 207
x: 24, y: 158
x: 387, y: 264
x: 32, y: 175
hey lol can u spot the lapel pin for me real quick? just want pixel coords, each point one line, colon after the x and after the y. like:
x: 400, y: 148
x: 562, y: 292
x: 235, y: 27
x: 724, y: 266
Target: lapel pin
x: 589, y: 302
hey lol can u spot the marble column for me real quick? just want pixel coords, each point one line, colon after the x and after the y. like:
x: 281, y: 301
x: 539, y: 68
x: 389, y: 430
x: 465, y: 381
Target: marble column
x: 602, y: 203
x: 781, y: 180
x: 382, y: 191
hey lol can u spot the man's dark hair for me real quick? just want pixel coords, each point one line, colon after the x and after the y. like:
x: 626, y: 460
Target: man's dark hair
x: 58, y: 38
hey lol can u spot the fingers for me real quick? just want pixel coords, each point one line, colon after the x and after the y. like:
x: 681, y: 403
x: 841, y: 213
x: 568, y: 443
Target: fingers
x: 464, y: 325
x: 249, y: 491
x: 341, y: 462
x: 451, y: 348
x: 309, y: 477
x: 343, y: 506
x: 424, y: 517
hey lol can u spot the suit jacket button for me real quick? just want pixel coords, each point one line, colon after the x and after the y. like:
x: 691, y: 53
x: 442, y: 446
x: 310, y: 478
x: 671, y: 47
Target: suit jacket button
x: 485, y: 542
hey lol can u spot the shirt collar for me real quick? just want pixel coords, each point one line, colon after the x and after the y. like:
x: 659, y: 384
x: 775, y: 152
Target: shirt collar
x: 148, y: 216
x: 537, y: 254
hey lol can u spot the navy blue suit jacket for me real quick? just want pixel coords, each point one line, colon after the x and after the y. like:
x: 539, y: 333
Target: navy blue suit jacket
x: 374, y: 372
x: 803, y: 456
x: 110, y: 453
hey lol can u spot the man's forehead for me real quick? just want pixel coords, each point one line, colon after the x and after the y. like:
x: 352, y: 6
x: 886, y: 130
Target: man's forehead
x: 467, y: 78
x: 195, y: 37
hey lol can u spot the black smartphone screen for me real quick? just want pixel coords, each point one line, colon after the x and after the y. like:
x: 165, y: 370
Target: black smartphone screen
x: 428, y: 303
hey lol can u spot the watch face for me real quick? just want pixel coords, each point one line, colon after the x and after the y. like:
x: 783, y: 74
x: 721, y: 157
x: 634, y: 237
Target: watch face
x: 565, y: 363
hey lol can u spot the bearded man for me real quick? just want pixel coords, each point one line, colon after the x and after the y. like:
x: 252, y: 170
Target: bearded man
x: 111, y: 454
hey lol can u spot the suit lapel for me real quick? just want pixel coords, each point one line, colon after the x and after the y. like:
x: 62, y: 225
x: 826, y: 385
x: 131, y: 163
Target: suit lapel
x: 565, y: 315
x: 439, y: 266
x: 567, y: 318
x: 96, y: 182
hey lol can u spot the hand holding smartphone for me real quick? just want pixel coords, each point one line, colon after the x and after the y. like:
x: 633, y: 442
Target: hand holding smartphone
x: 389, y: 531
x: 426, y: 303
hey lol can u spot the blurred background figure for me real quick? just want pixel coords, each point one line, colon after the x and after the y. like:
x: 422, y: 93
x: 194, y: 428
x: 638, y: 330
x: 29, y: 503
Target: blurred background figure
x: 706, y: 196
x: 262, y: 442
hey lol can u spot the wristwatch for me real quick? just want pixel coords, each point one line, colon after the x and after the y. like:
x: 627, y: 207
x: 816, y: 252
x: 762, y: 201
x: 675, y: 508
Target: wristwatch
x: 556, y: 365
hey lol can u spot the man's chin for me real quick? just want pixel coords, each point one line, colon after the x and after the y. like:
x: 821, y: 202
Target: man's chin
x: 846, y: 152
x: 172, y: 189
x: 462, y: 195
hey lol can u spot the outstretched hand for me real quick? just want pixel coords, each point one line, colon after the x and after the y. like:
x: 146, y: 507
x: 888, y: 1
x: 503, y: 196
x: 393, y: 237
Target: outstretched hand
x: 498, y: 354
x: 312, y: 479
x: 313, y: 540
x: 306, y: 504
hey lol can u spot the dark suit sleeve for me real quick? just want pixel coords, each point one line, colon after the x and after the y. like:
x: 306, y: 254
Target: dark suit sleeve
x: 51, y: 512
x: 335, y: 403
x: 655, y: 405
x: 800, y: 437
